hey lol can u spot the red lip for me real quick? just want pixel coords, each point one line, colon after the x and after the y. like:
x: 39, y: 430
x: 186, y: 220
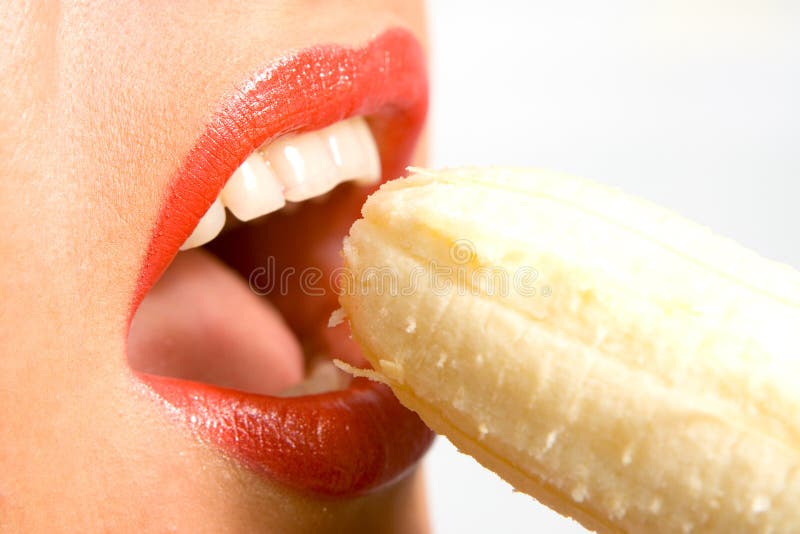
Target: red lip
x: 339, y: 443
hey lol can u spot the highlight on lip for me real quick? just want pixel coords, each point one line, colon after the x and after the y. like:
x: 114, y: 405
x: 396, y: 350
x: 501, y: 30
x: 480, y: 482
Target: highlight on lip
x: 291, y: 157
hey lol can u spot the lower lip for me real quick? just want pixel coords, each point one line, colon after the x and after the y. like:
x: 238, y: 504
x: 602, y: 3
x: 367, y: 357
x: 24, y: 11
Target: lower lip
x: 340, y: 443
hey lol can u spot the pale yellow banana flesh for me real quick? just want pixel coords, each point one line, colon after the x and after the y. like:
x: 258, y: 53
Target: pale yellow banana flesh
x: 639, y: 374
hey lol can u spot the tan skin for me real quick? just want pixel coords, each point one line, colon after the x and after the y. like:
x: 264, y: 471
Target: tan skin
x: 99, y: 101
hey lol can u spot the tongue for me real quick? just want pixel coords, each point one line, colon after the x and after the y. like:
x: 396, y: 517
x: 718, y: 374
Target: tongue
x: 202, y: 322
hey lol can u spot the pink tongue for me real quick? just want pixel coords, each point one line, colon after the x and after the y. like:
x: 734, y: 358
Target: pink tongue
x: 202, y: 322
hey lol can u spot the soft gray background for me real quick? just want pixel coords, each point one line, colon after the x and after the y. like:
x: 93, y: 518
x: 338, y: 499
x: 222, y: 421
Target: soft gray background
x: 693, y: 104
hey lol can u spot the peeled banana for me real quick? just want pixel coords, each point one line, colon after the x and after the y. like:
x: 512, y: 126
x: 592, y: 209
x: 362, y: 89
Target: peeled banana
x: 620, y: 364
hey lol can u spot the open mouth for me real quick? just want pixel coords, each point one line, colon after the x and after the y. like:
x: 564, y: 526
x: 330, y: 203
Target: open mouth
x: 233, y: 332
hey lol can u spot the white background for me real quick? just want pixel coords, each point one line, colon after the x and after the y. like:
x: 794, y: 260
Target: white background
x: 693, y: 104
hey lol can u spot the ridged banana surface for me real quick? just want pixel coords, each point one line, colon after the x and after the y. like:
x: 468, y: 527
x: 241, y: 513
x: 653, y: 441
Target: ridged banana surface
x: 622, y: 365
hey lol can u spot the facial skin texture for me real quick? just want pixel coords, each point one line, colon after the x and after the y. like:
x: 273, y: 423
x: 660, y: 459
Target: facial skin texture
x: 99, y: 101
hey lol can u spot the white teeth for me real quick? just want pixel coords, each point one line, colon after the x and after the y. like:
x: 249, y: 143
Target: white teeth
x: 304, y: 165
x: 253, y: 190
x: 294, y: 168
x: 313, y: 163
x: 353, y: 150
x: 208, y: 228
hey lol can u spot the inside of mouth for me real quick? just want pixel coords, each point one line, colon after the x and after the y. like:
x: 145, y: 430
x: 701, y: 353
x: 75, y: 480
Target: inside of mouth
x: 250, y: 310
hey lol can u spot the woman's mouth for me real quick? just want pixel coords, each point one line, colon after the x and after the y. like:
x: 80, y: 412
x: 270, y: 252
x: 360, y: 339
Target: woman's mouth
x: 233, y: 333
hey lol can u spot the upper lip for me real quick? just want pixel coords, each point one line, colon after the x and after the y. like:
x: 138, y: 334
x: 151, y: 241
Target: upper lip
x: 337, y: 443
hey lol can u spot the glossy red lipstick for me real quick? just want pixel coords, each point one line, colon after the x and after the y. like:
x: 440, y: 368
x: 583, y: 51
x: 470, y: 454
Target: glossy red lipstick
x: 339, y: 443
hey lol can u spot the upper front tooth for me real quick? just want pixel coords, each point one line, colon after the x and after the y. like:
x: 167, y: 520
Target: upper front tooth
x: 293, y: 168
x: 253, y: 190
x: 354, y: 151
x: 304, y: 164
x: 209, y: 226
x: 313, y: 163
